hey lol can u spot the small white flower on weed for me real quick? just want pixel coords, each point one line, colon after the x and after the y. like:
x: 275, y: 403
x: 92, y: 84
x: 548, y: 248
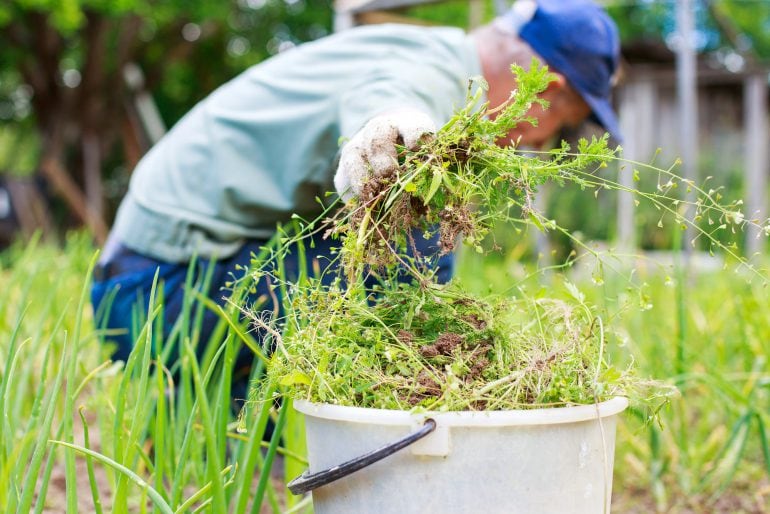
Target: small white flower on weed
x: 735, y: 217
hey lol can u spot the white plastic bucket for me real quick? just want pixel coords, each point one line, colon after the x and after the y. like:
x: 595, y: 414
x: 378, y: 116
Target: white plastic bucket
x: 523, y: 461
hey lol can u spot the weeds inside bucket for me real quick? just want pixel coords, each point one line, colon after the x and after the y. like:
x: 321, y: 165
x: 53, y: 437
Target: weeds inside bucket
x: 439, y: 348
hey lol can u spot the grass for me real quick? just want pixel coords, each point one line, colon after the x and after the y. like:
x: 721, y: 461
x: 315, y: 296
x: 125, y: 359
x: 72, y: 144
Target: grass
x: 709, y: 334
x: 138, y: 447
x: 163, y: 445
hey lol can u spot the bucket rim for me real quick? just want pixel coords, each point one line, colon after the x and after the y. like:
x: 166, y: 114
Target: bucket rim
x: 519, y: 417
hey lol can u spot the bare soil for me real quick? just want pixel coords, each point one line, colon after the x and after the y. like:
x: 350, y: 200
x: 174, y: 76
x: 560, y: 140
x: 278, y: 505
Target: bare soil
x: 738, y: 499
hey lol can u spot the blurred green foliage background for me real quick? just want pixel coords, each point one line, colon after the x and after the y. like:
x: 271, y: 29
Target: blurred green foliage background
x: 66, y: 115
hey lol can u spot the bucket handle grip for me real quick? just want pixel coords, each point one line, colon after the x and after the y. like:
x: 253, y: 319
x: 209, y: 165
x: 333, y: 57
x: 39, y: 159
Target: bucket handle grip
x: 309, y: 481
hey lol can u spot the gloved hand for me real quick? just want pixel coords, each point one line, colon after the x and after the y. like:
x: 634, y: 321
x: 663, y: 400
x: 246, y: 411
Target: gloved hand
x: 371, y: 152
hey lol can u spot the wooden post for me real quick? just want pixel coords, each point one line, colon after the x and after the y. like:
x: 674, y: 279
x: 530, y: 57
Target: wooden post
x: 145, y: 106
x: 756, y: 132
x: 349, y: 13
x: 30, y: 208
x: 687, y: 96
x: 501, y: 6
x: 92, y: 174
x: 637, y: 118
x: 343, y: 15
x: 475, y: 13
x: 626, y: 235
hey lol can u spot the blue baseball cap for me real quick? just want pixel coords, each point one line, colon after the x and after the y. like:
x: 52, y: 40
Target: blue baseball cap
x: 577, y: 39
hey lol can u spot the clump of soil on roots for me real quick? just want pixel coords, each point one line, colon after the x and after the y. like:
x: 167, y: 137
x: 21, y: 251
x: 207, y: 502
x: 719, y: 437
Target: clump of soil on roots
x: 390, y: 215
x: 444, y: 345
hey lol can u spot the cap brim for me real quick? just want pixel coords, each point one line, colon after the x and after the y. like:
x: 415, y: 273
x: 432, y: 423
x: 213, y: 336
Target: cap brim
x: 603, y: 114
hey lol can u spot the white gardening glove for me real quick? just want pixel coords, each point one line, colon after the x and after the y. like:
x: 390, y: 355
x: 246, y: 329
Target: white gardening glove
x: 371, y: 152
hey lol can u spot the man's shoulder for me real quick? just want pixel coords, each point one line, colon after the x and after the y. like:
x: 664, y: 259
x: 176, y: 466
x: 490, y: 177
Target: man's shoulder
x: 412, y: 34
x: 403, y: 28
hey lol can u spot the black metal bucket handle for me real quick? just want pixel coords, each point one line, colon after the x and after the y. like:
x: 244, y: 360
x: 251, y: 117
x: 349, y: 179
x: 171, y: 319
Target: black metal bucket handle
x: 307, y: 482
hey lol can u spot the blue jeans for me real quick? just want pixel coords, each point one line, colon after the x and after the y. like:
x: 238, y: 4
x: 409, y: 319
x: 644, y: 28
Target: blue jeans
x: 123, y: 283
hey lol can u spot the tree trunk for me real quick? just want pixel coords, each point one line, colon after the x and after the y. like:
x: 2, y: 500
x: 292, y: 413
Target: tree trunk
x: 92, y: 173
x: 54, y: 171
x: 30, y: 208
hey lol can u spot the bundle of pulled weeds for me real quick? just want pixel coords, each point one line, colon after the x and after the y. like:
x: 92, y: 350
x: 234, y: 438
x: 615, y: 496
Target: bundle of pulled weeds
x: 439, y: 348
x: 459, y: 183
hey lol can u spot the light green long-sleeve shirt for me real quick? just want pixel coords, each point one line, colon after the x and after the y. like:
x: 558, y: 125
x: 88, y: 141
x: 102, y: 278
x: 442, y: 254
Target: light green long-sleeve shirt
x: 264, y: 145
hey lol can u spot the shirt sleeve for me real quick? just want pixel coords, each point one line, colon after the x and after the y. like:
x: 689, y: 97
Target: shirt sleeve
x: 436, y: 91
